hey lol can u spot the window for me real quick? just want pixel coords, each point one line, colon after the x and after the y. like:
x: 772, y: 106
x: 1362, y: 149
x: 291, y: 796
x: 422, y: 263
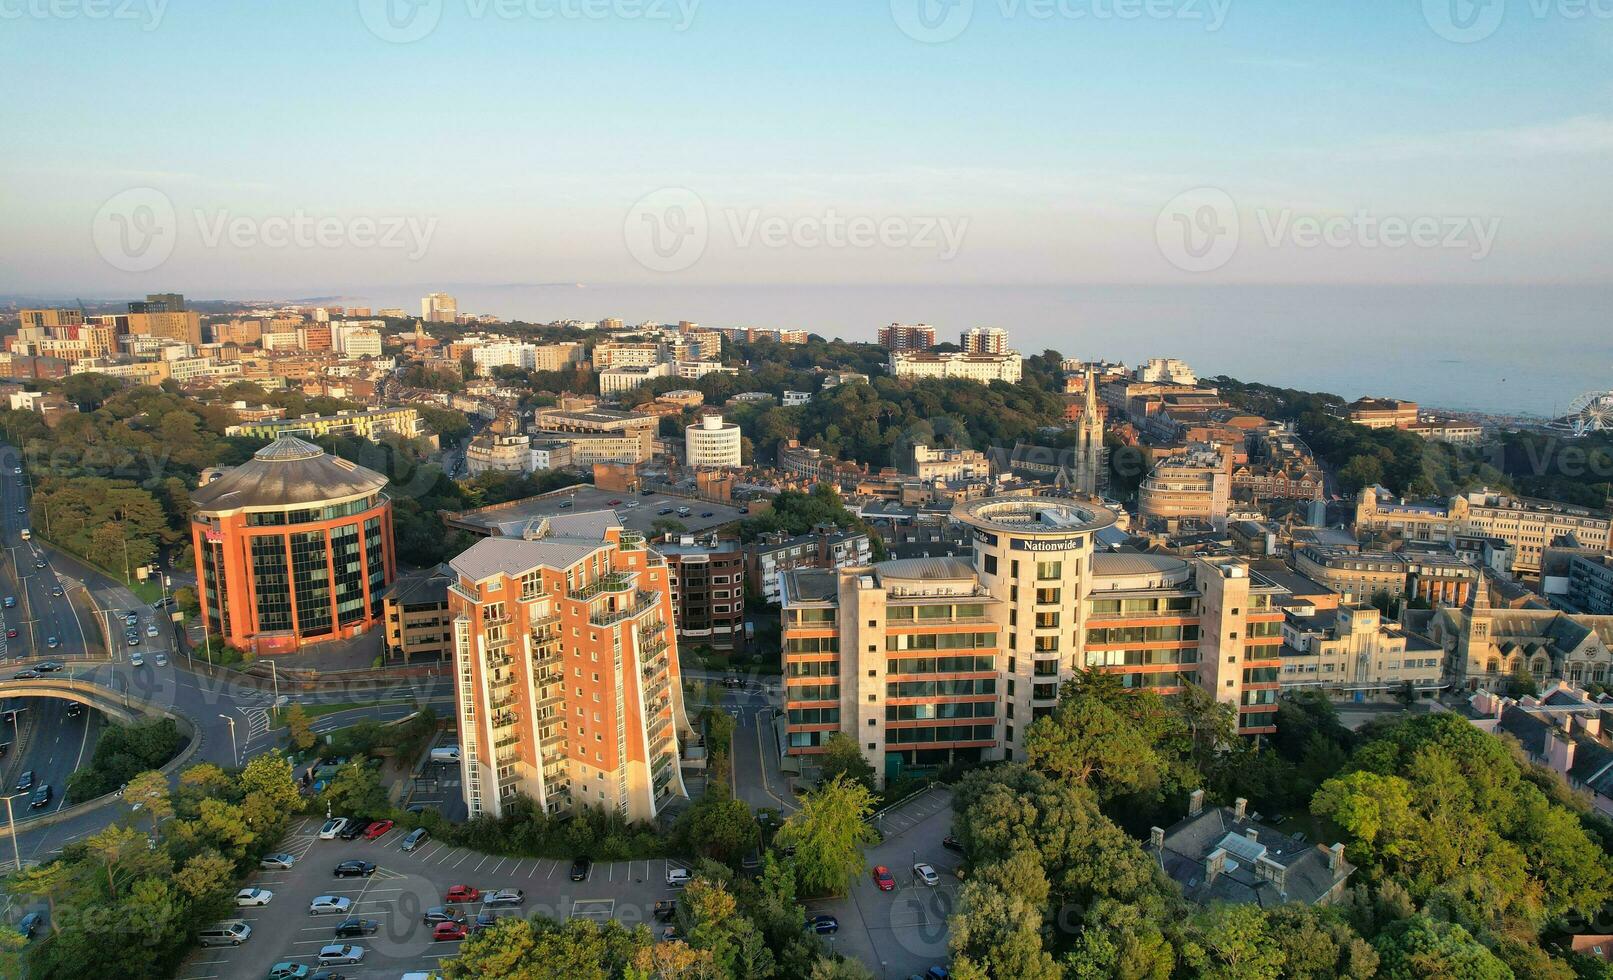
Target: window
x: 1048, y: 570
x: 991, y: 564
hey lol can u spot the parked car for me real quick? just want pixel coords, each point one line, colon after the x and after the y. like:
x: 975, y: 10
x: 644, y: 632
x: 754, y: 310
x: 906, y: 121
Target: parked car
x: 354, y: 828
x: 923, y: 872
x: 11, y: 632
x: 823, y: 925
x: 441, y: 913
x: 355, y: 869
x: 29, y: 924
x: 884, y: 879
x: 340, y: 953
x: 378, y: 829
x: 231, y: 932
x: 10, y: 602
x: 278, y: 862
x: 330, y: 904
x: 462, y: 893
x: 252, y: 897
x: 677, y: 877
x: 485, y: 919
x: 951, y: 843
x: 448, y: 932
x: 332, y: 827
x: 580, y: 868
x: 416, y: 837
x: 665, y: 909
x: 504, y: 897
x: 356, y: 928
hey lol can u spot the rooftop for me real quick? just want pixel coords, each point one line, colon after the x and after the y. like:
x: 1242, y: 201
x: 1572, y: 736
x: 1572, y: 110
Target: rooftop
x: 1033, y: 515
x: 287, y: 472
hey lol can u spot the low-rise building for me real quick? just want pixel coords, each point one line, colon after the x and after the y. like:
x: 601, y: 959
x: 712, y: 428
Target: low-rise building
x: 826, y: 546
x: 983, y: 368
x: 1382, y: 413
x: 415, y: 610
x: 1352, y: 651
x: 1221, y: 854
x: 371, y: 425
x: 1194, y: 487
x: 708, y: 589
x: 932, y: 464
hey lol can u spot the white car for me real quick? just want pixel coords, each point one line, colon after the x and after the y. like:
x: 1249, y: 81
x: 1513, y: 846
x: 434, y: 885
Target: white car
x: 333, y: 827
x: 677, y: 877
x: 248, y: 897
x: 330, y: 905
x: 340, y: 953
x: 151, y: 630
x: 161, y: 660
x: 926, y: 874
x: 136, y: 659
x: 278, y: 862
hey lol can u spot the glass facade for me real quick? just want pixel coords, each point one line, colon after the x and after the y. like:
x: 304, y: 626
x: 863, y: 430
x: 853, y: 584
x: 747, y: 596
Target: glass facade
x: 271, y: 583
x: 310, y: 568
x: 348, y: 563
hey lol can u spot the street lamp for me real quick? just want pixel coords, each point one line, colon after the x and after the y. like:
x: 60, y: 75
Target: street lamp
x: 234, y: 752
x: 274, y: 674
x: 11, y: 819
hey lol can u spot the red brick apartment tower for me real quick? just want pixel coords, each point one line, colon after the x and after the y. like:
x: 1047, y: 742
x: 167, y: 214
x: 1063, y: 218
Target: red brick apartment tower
x: 292, y: 547
x: 566, y: 670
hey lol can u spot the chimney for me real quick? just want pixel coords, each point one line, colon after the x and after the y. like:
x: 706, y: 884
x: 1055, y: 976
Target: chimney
x: 1240, y: 807
x: 1335, y: 858
x: 1592, y: 725
x: 1156, y: 837
x: 1560, y: 752
x: 1214, y: 863
x: 1195, y: 803
x: 1252, y: 834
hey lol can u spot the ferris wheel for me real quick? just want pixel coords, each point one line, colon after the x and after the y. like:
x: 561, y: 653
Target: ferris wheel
x: 1591, y: 412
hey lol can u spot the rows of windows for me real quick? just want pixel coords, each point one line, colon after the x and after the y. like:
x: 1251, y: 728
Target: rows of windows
x: 814, y: 692
x: 1183, y: 605
x: 811, y: 617
x: 1100, y: 636
x: 1261, y: 630
x: 814, y: 716
x: 928, y: 712
x: 812, y: 644
x: 931, y: 689
x: 1251, y: 719
x: 814, y: 668
x: 959, y: 610
x: 941, y: 641
x: 939, y: 665
x: 1142, y: 658
x: 1260, y: 675
x: 271, y: 583
x: 309, y: 515
x: 1170, y: 678
x: 941, y: 733
x: 348, y: 565
x: 310, y: 572
x: 376, y: 556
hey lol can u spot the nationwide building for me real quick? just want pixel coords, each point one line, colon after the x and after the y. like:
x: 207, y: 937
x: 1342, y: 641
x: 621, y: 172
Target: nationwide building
x: 713, y: 442
x: 566, y: 670
x: 907, y: 337
x: 929, y: 661
x: 293, y: 547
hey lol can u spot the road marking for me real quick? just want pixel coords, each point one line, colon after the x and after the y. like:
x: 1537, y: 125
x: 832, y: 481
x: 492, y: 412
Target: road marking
x: 553, y: 868
x: 479, y: 864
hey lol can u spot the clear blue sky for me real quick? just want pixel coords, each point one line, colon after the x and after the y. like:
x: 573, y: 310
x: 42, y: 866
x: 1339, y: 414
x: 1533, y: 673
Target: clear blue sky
x: 1052, y: 143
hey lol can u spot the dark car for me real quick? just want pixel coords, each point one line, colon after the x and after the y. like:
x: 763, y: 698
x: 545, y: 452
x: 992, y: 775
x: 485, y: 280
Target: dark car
x: 951, y: 843
x: 356, y: 928
x: 49, y: 666
x: 580, y: 868
x: 30, y: 923
x: 441, y: 913
x: 707, y: 513
x: 74, y: 709
x: 40, y: 798
x: 665, y: 909
x: 25, y: 782
x: 354, y: 828
x: 354, y: 869
x: 26, y: 675
x: 664, y: 511
x: 823, y: 925
x: 485, y: 919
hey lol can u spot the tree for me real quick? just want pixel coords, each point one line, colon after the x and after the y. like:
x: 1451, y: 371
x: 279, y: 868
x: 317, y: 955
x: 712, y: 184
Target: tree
x: 1090, y: 741
x: 1231, y: 942
x: 122, y: 854
x: 999, y: 919
x: 149, y: 791
x: 1421, y: 949
x: 842, y: 756
x: 829, y: 833
x: 710, y: 918
x: 718, y: 827
x: 299, y: 730
x: 356, y: 788
x: 1119, y: 941
x: 208, y: 875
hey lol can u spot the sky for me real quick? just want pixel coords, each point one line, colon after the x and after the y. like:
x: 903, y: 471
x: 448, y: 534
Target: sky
x: 346, y: 147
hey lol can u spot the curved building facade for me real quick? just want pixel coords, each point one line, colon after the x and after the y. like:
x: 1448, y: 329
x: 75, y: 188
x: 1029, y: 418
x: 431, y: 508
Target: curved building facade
x: 292, y: 547
x: 713, y: 442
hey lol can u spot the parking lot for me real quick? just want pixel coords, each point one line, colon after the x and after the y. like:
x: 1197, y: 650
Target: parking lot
x: 583, y: 498
x: 902, y: 932
x: 397, y: 895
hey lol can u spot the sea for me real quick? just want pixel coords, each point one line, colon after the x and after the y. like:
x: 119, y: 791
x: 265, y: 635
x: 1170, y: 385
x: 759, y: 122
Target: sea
x: 1506, y: 350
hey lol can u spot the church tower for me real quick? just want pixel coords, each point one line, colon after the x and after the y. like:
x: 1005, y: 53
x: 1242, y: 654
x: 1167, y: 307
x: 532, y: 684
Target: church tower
x: 1090, y: 475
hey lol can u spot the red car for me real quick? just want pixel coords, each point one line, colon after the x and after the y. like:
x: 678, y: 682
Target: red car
x: 11, y: 633
x: 612, y: 503
x: 448, y: 931
x: 377, y: 828
x: 461, y: 894
x: 882, y: 878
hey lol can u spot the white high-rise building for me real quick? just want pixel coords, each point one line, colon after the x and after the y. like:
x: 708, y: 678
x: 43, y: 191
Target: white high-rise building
x: 439, y: 308
x: 712, y: 442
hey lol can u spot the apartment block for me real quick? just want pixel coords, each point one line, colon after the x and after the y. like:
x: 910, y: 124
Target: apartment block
x: 907, y: 337
x: 825, y: 546
x: 708, y: 588
x: 566, y: 670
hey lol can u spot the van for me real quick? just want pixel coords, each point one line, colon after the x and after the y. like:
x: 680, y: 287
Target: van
x: 683, y: 512
x: 448, y: 754
x: 26, y: 534
x: 230, y: 932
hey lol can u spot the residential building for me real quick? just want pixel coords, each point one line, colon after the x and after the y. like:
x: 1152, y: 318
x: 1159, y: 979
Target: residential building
x: 1449, y: 431
x: 439, y: 308
x: 1352, y: 651
x: 1531, y: 526
x: 182, y: 325
x: 1590, y: 583
x: 982, y: 368
x: 1166, y: 370
x: 415, y: 610
x: 907, y: 337
x: 293, y: 547
x: 616, y: 380
x: 713, y: 442
x: 984, y: 340
x: 501, y: 448
x: 566, y: 671
x: 566, y: 421
x: 1382, y: 413
x: 47, y: 319
x: 366, y: 425
x: 362, y: 343
x: 707, y: 576
x: 793, y: 399
x: 1563, y: 728
x: 1221, y: 854
x: 825, y: 546
x: 930, y: 465
x: 620, y: 354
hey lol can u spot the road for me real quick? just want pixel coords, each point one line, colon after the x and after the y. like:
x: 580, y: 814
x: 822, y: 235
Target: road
x: 756, y: 775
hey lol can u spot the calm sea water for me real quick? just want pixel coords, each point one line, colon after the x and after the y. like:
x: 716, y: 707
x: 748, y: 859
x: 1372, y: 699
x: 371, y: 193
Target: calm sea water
x: 1498, y: 349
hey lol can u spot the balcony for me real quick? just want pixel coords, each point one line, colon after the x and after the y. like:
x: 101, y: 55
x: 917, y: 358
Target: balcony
x: 500, y: 704
x: 643, y: 602
x: 656, y: 689
x: 615, y: 582
x: 505, y: 720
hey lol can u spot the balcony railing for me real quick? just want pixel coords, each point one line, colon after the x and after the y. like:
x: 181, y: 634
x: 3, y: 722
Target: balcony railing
x: 642, y: 603
x: 615, y: 582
